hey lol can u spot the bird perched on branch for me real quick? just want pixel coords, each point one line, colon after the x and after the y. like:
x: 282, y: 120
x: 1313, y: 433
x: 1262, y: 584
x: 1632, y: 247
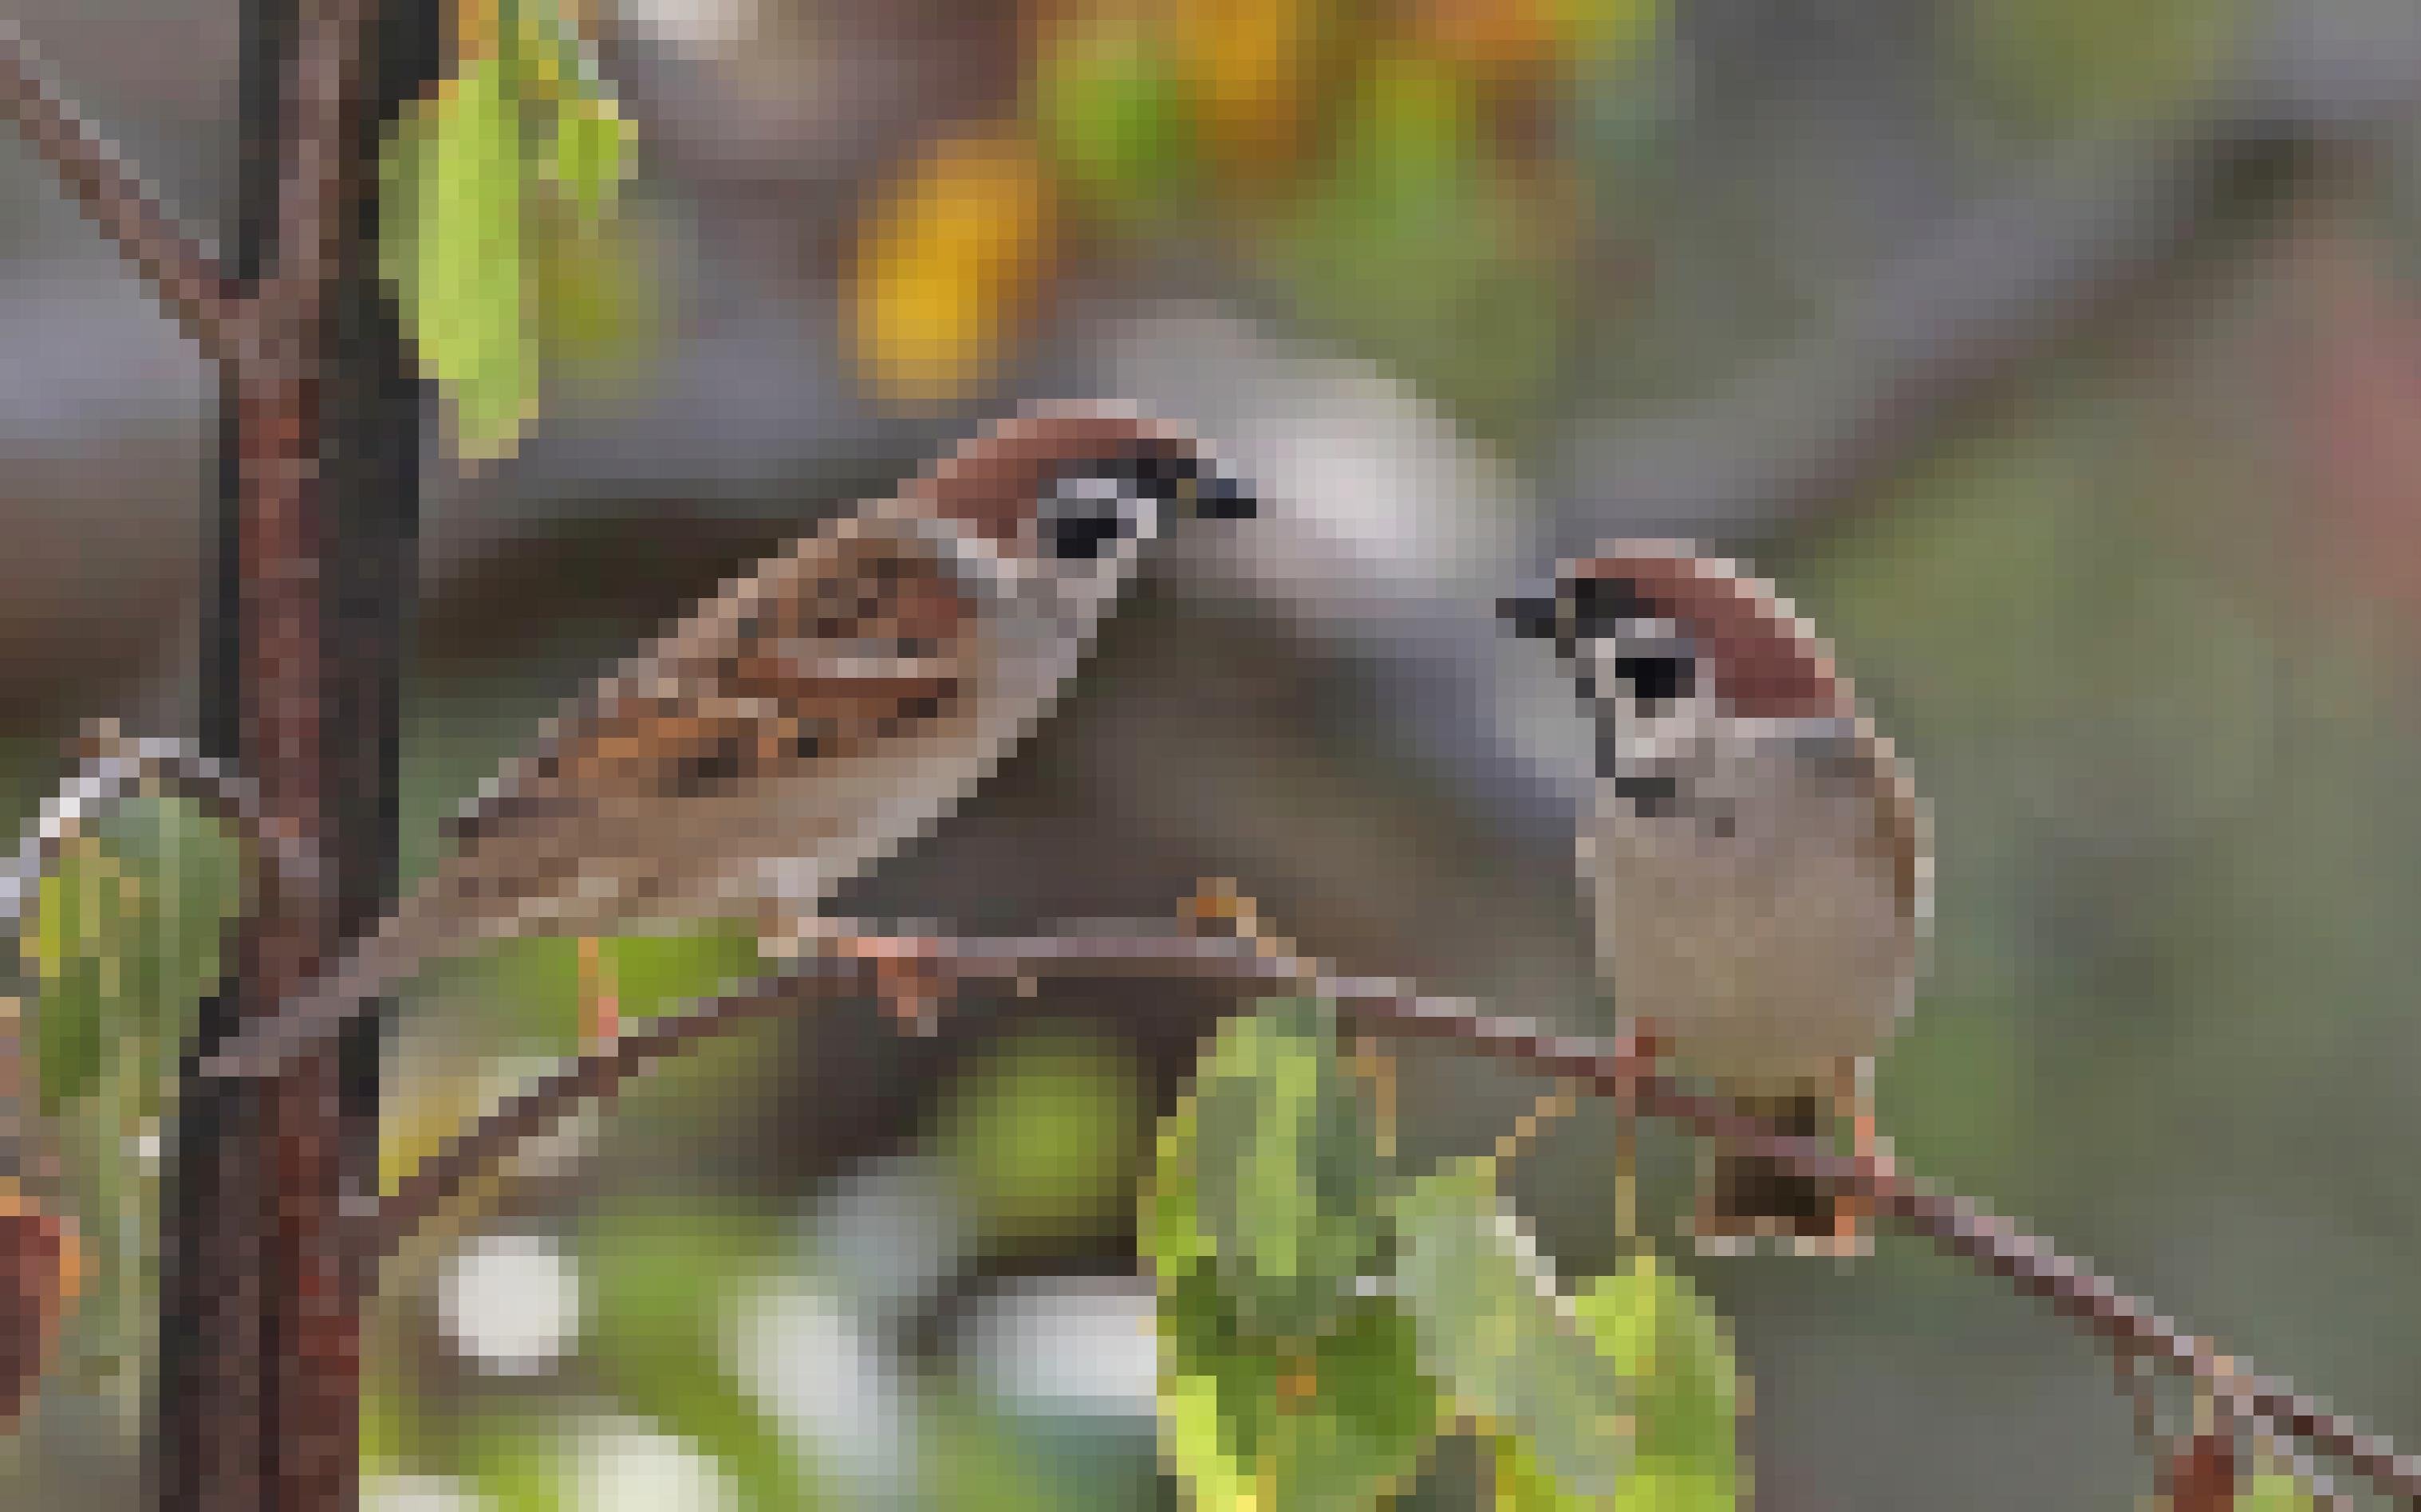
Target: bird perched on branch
x: 1756, y: 860
x: 802, y: 724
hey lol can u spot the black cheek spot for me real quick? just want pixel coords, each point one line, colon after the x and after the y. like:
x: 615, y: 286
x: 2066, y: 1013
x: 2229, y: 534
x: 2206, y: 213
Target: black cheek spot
x: 1652, y: 794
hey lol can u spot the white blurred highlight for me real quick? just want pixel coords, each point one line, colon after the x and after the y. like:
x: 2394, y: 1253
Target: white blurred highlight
x: 512, y: 1302
x: 628, y: 1467
x: 1077, y: 1345
x: 821, y: 1371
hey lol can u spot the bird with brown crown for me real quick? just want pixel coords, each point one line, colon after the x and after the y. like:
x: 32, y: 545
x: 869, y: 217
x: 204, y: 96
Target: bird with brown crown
x: 802, y: 724
x: 1756, y: 860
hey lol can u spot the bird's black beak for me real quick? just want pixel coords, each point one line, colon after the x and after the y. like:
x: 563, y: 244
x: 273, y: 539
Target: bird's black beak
x: 1211, y: 494
x: 1535, y: 616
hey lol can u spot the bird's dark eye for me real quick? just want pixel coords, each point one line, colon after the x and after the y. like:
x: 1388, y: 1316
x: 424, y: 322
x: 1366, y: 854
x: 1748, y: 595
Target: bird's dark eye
x: 1086, y: 514
x: 1655, y: 680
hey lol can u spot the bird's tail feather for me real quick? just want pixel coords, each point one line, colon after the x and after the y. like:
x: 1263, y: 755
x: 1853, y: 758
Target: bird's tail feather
x: 408, y: 939
x: 1745, y: 1198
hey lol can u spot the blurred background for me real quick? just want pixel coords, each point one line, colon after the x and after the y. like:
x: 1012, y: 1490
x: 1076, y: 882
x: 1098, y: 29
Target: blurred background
x: 2062, y: 359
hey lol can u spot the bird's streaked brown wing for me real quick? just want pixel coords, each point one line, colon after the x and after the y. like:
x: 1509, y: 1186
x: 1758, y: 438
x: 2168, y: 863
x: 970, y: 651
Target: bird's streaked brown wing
x: 850, y: 640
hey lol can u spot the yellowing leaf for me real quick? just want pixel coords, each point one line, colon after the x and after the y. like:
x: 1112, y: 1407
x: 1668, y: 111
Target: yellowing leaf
x: 948, y: 262
x: 1341, y: 1419
x: 41, y: 1272
x: 1252, y: 68
x: 1499, y: 37
x: 79, y: 915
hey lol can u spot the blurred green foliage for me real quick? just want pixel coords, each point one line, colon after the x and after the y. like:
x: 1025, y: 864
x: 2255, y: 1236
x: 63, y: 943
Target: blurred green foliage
x: 1111, y: 115
x: 665, y: 1285
x: 2083, y: 64
x: 1040, y: 1135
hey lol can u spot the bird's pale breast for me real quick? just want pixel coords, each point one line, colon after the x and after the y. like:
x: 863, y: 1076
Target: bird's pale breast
x: 1757, y: 925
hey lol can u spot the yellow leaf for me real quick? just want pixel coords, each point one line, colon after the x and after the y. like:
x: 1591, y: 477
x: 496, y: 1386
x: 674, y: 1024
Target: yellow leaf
x: 949, y: 263
x: 1252, y: 68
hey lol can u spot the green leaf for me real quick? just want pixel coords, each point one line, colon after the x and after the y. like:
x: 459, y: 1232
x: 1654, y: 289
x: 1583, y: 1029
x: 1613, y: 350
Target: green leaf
x: 2271, y: 1491
x: 1511, y: 1350
x: 652, y: 974
x: 1276, y: 1160
x: 123, y: 942
x: 1685, y: 1386
x: 457, y: 173
x: 590, y: 154
x: 1339, y: 1419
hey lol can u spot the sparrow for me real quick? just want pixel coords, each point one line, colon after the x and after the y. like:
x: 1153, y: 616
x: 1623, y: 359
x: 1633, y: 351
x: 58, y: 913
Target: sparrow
x: 799, y: 727
x: 1755, y: 859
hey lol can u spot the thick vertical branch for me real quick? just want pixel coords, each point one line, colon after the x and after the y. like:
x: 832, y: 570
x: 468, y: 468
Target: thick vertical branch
x: 259, y: 1363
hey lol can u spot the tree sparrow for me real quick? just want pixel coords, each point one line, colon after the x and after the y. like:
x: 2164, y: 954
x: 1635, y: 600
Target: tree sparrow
x: 1758, y: 860
x: 802, y: 724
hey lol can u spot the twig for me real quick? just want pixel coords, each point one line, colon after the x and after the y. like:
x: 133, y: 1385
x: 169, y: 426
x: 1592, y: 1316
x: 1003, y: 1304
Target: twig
x: 1623, y: 1069
x: 113, y: 766
x: 181, y: 268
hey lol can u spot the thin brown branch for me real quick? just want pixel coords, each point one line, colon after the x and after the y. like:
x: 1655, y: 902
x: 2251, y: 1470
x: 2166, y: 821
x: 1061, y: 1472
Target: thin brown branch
x: 1624, y: 1068
x: 180, y: 267
x: 111, y: 767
